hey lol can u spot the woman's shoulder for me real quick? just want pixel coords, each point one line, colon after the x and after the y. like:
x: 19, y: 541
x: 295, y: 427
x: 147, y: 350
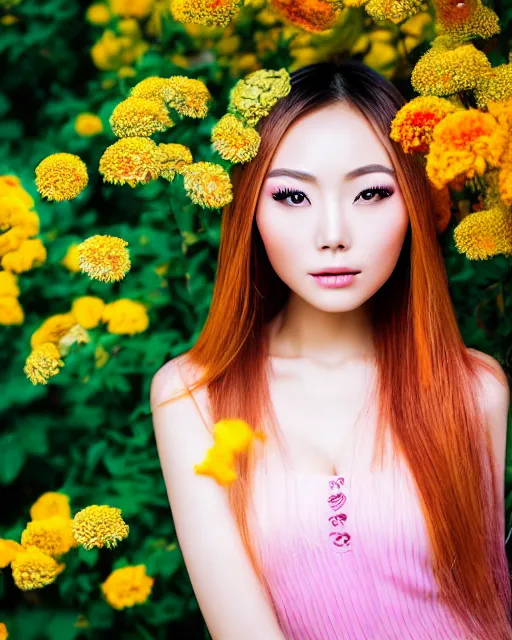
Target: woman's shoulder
x: 173, y: 378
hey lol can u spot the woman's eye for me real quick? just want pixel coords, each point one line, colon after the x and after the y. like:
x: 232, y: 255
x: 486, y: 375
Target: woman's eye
x: 368, y: 194
x: 296, y: 197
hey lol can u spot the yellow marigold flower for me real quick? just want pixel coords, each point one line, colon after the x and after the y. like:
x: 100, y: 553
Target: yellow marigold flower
x: 395, y: 10
x: 246, y: 63
x: 233, y: 140
x: 484, y: 234
x: 8, y: 550
x: 174, y: 157
x: 229, y: 45
x: 125, y: 316
x: 313, y: 16
x: 52, y: 329
x: 104, y: 258
x: 61, y: 176
x: 464, y: 143
x: 443, y: 71
x: 98, y: 14
x: 210, y: 13
x: 70, y: 260
x: 188, y: 96
x: 131, y: 8
x: 414, y: 123
x: 207, y: 184
x: 53, y: 536
x: 127, y: 586
x: 9, y: 284
x: 129, y: 27
x: 30, y: 254
x: 99, y: 526
x: 135, y: 117
x: 130, y: 161
x: 11, y: 186
x: 77, y: 334
x: 466, y: 20
x: 231, y: 436
x: 3, y: 631
x: 254, y: 96
x: 12, y: 207
x: 88, y: 311
x: 11, y: 312
x: 43, y: 363
x: 126, y: 72
x: 219, y: 463
x: 50, y: 504
x: 12, y: 239
x: 88, y: 124
x: 34, y: 569
x: 152, y: 88
x: 494, y: 85
x: 26, y: 221
x: 101, y: 356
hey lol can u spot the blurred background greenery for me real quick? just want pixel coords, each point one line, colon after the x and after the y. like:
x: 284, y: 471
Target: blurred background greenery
x: 88, y: 433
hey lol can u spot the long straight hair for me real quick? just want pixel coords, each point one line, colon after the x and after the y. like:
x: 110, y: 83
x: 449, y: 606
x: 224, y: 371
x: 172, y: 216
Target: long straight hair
x: 427, y: 383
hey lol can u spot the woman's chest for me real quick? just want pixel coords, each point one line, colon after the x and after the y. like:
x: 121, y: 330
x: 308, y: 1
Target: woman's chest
x: 323, y: 418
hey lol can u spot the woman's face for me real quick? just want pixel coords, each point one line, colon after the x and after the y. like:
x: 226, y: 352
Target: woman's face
x: 338, y: 213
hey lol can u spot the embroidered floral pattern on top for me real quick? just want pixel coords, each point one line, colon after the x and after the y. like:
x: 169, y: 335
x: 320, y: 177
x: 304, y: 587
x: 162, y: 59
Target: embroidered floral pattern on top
x: 340, y: 539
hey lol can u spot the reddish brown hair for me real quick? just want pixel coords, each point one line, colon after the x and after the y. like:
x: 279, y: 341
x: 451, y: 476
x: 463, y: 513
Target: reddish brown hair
x: 427, y: 380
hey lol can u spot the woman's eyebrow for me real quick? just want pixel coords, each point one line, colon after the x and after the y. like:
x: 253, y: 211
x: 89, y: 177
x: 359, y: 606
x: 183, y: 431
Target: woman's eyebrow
x: 308, y: 177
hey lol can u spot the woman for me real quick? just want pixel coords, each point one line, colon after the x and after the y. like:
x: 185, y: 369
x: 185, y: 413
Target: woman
x: 314, y: 540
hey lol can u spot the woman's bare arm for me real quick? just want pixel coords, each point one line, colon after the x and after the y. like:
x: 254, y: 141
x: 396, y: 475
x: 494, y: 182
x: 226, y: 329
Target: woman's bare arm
x: 233, y: 602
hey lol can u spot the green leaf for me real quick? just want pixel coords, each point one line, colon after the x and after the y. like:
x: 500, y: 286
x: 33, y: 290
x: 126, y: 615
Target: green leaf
x: 12, y: 458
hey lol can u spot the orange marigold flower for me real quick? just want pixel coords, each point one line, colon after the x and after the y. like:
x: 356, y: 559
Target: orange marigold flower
x: 134, y: 8
x: 464, y: 143
x: 443, y: 71
x: 484, y: 234
x: 104, y: 258
x: 49, y: 504
x: 313, y: 16
x: 466, y: 20
x: 34, y: 569
x: 136, y: 117
x: 127, y: 586
x: 61, y: 176
x: 414, y: 123
x: 131, y: 161
x: 3, y: 631
x: 211, y: 13
x: 88, y: 124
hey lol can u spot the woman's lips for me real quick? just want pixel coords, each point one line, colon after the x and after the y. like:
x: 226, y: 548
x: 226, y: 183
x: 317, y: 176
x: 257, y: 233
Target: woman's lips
x: 335, y: 280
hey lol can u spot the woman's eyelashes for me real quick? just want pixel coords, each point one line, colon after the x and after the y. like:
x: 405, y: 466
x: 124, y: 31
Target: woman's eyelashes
x: 367, y: 195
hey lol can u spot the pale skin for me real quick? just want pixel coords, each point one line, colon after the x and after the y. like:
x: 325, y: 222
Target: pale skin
x: 320, y: 350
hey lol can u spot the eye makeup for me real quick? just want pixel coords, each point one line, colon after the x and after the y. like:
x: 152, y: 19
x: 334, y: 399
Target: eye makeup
x: 384, y: 191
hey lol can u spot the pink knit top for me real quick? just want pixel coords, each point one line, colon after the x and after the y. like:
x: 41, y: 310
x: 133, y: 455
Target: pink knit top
x: 345, y: 556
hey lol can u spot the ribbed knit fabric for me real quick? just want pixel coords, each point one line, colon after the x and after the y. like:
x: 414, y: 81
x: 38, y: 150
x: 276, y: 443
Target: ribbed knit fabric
x: 346, y: 556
